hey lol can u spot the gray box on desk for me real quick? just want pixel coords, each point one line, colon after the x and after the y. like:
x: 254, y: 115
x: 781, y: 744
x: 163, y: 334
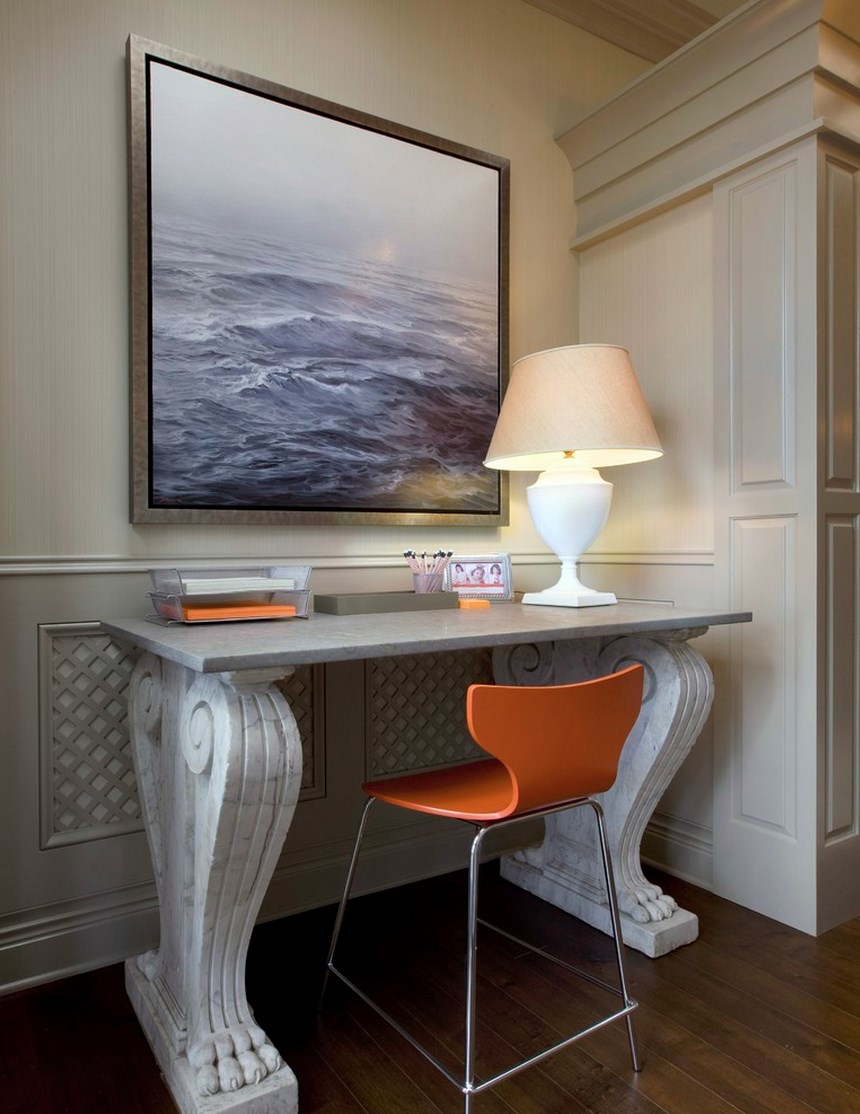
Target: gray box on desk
x: 374, y: 603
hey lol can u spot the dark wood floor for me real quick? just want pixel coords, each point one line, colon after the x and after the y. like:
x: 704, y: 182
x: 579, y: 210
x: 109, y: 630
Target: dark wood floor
x: 753, y: 1017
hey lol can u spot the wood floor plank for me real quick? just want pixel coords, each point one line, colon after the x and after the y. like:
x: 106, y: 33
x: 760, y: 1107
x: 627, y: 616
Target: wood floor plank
x: 828, y: 960
x: 750, y: 1029
x: 718, y: 1080
x: 779, y: 992
x: 368, y: 1069
x: 831, y: 1057
x: 321, y: 1090
x: 510, y: 1023
x: 514, y: 1026
x: 665, y: 1085
x: 72, y: 1046
x: 435, y: 1085
x: 428, y: 1002
x: 800, y: 970
x: 754, y: 1018
x: 750, y: 1034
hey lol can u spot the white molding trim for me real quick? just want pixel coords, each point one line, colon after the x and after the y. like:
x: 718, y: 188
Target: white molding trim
x: 681, y: 847
x: 64, y: 565
x: 55, y: 941
x: 65, y: 938
x: 704, y: 184
x: 693, y: 557
x: 62, y: 917
x: 772, y: 71
x: 650, y: 29
x: 100, y: 564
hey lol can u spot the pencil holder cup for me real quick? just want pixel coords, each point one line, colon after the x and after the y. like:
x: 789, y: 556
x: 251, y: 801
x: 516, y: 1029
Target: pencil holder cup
x: 427, y: 581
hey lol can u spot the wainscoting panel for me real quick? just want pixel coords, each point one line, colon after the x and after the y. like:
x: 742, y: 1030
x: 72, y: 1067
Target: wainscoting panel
x: 841, y: 360
x: 683, y: 843
x: 841, y: 674
x: 762, y: 213
x: 838, y: 830
x: 73, y: 900
x: 764, y: 775
x: 766, y: 253
x: 89, y: 788
x: 305, y: 691
x: 416, y: 709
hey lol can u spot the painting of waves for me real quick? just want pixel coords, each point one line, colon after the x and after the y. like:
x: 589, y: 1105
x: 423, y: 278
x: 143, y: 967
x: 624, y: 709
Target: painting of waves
x: 293, y: 378
x: 325, y: 327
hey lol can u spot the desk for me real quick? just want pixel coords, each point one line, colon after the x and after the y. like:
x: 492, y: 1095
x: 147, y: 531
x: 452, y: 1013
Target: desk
x: 219, y: 767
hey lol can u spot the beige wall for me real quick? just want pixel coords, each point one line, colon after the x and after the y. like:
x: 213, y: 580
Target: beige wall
x: 494, y: 74
x: 651, y: 288
x: 499, y: 75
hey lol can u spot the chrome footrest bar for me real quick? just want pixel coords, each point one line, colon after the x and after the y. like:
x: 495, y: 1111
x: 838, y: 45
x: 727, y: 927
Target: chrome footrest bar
x: 396, y: 1026
x: 536, y: 1059
x: 521, y: 1066
x: 467, y: 1086
x: 544, y: 954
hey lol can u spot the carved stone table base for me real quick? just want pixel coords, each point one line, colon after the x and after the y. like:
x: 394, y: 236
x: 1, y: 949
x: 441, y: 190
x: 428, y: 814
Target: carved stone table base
x: 565, y: 870
x: 276, y: 1094
x: 560, y: 888
x: 218, y: 763
x: 219, y: 767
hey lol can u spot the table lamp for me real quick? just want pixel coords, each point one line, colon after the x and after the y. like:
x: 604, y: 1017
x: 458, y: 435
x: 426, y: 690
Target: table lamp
x: 569, y: 411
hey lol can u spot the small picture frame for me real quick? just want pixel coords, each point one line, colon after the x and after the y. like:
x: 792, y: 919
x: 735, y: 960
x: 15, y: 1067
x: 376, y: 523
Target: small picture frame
x: 480, y: 577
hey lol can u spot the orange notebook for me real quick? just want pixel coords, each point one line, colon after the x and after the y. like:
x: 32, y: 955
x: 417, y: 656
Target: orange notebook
x: 201, y: 612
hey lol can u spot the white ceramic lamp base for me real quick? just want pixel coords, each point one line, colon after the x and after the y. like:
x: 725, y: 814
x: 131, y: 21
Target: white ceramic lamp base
x: 569, y: 505
x: 568, y: 591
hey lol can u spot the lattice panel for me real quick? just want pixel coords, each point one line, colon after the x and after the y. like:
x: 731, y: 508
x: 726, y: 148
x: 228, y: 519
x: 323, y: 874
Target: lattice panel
x: 87, y: 756
x: 93, y: 781
x: 300, y: 690
x: 416, y: 709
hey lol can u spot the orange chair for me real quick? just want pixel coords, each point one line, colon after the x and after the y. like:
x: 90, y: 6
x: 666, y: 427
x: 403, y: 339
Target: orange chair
x: 553, y: 747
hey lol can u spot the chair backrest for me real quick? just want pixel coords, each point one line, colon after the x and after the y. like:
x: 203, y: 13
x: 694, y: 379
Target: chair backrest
x: 558, y: 742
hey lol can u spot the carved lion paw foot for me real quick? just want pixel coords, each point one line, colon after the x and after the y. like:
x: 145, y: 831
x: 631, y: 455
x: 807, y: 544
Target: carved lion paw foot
x: 232, y: 1059
x: 649, y: 903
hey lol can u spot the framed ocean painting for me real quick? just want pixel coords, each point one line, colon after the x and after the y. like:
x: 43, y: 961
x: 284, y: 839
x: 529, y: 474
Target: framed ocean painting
x: 318, y: 305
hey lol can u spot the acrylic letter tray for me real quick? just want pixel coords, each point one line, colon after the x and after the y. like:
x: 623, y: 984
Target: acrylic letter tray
x: 230, y: 594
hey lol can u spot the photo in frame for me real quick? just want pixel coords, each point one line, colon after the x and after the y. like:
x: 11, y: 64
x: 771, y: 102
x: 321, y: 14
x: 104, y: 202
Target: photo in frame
x: 318, y: 303
x: 481, y: 577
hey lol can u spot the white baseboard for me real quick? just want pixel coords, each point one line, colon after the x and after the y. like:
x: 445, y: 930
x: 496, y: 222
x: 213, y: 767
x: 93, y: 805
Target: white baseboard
x: 53, y: 942
x: 681, y: 848
x: 67, y: 938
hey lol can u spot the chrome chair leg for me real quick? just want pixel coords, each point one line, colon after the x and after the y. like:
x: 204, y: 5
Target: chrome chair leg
x: 341, y: 909
x: 612, y: 896
x: 472, y: 973
x: 467, y: 1084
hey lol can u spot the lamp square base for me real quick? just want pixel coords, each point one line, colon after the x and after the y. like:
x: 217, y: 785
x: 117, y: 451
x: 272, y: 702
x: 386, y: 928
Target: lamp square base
x: 586, y: 598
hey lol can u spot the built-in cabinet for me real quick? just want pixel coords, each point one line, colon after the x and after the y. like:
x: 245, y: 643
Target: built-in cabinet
x: 746, y: 147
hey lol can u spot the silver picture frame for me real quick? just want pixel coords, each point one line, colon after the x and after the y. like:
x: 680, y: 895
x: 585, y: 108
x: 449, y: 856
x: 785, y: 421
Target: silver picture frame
x: 319, y: 323
x: 485, y: 576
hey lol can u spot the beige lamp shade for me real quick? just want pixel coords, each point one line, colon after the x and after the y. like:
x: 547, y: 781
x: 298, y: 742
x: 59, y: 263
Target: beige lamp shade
x: 582, y: 399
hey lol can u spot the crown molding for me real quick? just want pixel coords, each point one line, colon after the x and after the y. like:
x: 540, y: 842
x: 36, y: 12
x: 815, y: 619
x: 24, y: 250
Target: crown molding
x: 650, y: 29
x: 773, y: 72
